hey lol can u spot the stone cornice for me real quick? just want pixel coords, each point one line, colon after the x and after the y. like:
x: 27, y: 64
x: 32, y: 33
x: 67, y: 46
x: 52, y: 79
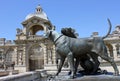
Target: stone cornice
x: 31, y: 40
x: 24, y: 23
x: 3, y: 46
x: 112, y: 40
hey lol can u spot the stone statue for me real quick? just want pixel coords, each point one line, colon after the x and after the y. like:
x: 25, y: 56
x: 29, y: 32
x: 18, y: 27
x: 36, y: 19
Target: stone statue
x: 19, y: 31
x: 89, y: 66
x: 72, y: 48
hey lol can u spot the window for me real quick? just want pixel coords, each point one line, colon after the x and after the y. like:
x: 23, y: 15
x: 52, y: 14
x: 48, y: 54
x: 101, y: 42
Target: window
x: 118, y: 49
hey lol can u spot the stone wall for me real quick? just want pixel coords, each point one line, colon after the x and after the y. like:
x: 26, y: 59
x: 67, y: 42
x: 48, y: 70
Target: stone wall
x: 21, y: 69
x: 107, y: 66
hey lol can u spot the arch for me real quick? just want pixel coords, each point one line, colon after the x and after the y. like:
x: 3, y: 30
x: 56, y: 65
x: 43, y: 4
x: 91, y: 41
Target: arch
x: 1, y: 54
x: 34, y: 29
x: 9, y: 54
x: 110, y: 49
x: 36, y: 57
x: 6, y: 54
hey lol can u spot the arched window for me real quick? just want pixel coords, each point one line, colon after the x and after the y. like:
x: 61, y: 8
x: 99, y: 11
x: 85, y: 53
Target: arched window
x: 36, y: 30
x: 9, y: 55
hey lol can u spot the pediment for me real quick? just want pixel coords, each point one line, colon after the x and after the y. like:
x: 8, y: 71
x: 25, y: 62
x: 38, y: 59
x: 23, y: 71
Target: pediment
x: 34, y: 19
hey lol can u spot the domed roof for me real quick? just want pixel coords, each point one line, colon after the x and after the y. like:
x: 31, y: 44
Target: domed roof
x: 39, y: 13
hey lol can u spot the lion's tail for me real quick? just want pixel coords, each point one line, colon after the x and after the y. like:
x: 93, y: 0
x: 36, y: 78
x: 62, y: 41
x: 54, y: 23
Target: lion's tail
x: 110, y: 27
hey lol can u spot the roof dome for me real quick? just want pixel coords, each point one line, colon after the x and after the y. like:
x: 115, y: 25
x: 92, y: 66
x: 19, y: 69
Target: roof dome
x: 39, y: 13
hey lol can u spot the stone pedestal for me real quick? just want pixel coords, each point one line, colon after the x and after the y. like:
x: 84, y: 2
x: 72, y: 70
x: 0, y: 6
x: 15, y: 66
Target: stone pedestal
x: 96, y: 78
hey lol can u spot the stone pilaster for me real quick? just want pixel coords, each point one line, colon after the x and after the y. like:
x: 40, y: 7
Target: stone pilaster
x: 24, y: 55
x: 16, y: 59
x: 45, y: 55
x: 54, y: 55
x: 114, y: 51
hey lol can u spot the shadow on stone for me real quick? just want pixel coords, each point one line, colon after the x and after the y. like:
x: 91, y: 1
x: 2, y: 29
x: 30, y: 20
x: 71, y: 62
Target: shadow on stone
x: 107, y: 76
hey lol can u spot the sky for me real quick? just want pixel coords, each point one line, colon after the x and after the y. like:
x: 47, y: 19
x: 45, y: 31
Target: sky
x: 85, y: 16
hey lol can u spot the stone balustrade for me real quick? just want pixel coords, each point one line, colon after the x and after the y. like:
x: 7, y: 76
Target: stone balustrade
x: 35, y: 37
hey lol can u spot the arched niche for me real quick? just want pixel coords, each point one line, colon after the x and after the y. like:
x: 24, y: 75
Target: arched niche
x: 36, y: 57
x: 9, y: 53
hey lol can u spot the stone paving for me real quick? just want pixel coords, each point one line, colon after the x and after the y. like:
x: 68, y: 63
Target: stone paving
x: 63, y: 76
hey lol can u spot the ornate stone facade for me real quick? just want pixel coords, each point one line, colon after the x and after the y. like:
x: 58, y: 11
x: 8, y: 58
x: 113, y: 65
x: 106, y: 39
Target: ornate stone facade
x: 113, y: 45
x: 31, y: 50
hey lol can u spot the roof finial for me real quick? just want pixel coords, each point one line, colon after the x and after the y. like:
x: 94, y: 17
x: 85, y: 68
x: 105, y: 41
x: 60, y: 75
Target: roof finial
x: 38, y: 9
x: 38, y: 4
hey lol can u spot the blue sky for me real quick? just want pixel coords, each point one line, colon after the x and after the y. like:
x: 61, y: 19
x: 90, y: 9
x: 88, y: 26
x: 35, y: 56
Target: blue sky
x: 85, y: 16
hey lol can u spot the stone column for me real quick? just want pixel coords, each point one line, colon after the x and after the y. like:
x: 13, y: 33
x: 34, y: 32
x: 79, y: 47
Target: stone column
x: 16, y: 59
x: 54, y: 55
x: 20, y: 58
x: 114, y: 51
x: 27, y: 57
x: 45, y: 55
x: 50, y: 55
x: 23, y: 56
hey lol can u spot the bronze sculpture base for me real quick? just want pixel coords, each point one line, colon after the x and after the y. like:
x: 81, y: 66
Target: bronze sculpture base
x: 96, y: 78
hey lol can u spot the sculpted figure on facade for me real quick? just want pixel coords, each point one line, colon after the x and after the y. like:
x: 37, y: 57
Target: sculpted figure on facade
x: 19, y: 31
